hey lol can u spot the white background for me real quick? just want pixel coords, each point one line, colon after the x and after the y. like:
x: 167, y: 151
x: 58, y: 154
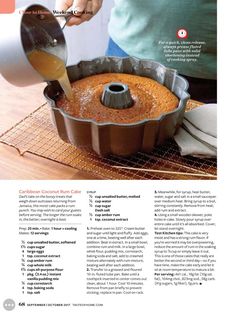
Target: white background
x: 184, y: 300
x: 217, y: 299
x: 86, y: 41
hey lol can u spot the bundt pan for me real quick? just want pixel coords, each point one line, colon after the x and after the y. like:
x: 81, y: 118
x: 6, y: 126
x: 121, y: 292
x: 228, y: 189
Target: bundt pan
x: 114, y: 138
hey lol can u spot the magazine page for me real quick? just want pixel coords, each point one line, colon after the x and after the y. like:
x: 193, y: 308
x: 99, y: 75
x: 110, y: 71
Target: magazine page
x: 111, y: 198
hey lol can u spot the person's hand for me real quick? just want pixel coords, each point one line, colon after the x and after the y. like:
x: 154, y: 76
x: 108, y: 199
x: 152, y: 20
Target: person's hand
x: 84, y: 10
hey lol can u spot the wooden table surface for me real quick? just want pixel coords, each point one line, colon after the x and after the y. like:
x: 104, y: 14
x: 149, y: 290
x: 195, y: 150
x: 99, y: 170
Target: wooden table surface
x: 16, y: 103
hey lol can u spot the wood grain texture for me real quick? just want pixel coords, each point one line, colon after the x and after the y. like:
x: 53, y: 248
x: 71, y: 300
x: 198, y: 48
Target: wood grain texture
x: 36, y: 135
x: 30, y: 167
x: 16, y: 103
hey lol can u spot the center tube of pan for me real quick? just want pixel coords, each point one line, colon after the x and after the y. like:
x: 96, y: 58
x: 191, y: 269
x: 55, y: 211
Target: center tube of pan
x: 117, y: 96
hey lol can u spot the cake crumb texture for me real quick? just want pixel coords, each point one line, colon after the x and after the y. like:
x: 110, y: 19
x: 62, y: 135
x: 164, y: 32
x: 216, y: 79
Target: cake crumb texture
x: 150, y: 98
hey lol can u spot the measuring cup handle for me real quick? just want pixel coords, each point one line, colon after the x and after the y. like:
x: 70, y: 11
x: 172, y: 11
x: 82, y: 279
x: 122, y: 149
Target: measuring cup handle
x: 67, y: 18
x: 67, y: 15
